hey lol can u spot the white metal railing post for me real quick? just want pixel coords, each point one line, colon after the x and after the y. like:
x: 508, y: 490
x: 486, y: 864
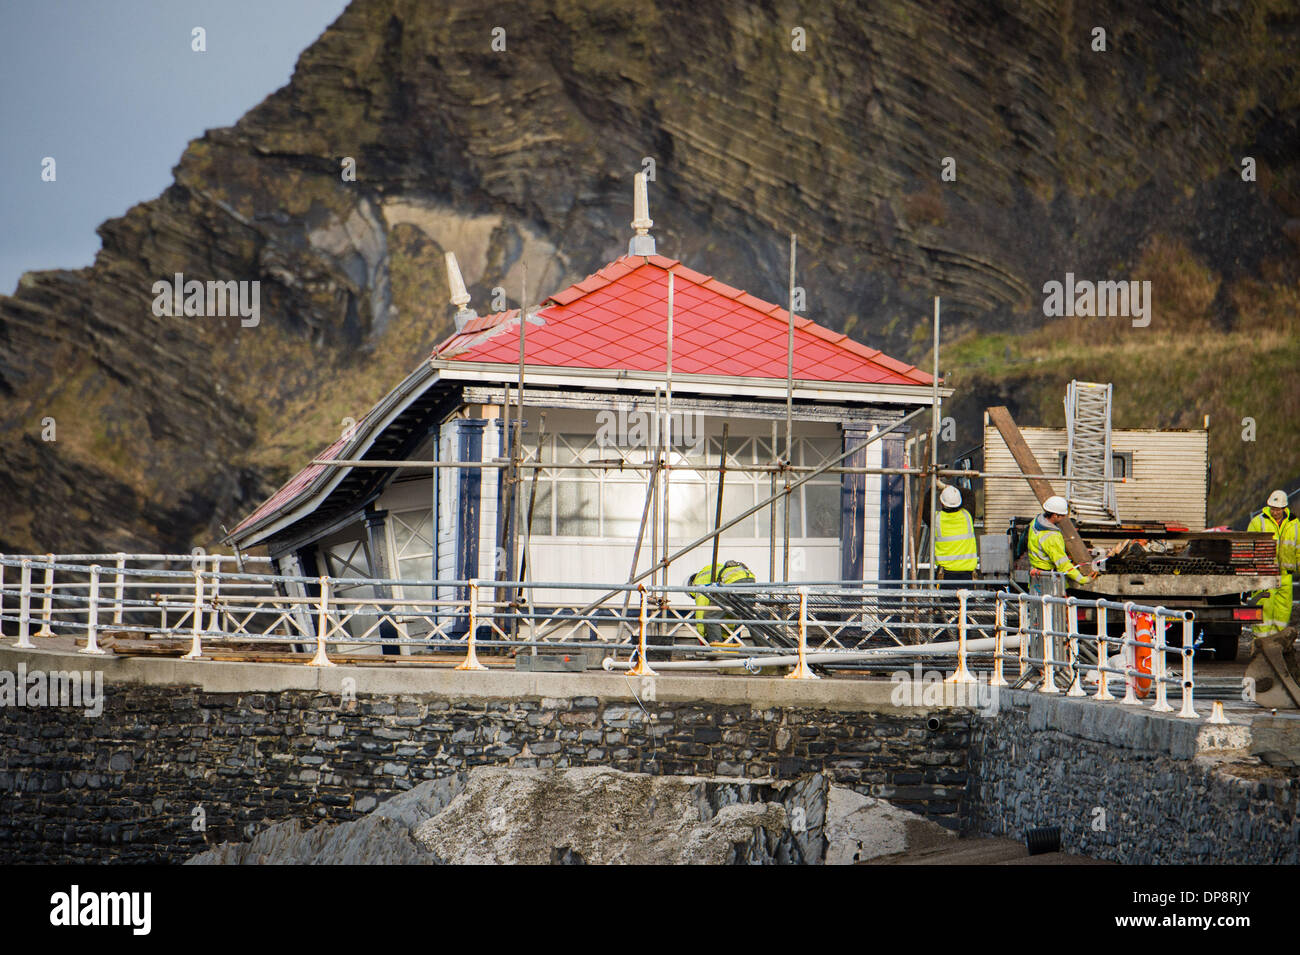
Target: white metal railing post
x: 801, y: 670
x: 214, y: 621
x: 1049, y: 635
x: 1103, y: 659
x: 1023, y: 651
x: 119, y: 599
x: 642, y: 667
x: 1188, y: 712
x: 471, y: 657
x: 48, y: 607
x: 1158, y: 669
x: 1072, y: 627
x: 961, y: 674
x: 25, y: 608
x: 1130, y: 658
x: 196, y: 647
x: 321, y: 659
x: 999, y: 639
x: 92, y: 615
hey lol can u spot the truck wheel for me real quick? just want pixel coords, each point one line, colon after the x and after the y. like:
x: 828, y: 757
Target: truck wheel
x: 1225, y: 645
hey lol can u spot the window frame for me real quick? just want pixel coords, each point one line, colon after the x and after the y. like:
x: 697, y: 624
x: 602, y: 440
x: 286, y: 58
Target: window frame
x: 745, y: 449
x: 1122, y: 458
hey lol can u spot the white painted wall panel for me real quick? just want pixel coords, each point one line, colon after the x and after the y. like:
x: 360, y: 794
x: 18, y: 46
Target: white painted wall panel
x: 871, y: 531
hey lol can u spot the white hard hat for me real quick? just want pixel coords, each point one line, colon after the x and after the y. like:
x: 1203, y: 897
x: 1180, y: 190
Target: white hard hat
x: 951, y: 497
x: 1056, y: 505
x: 1277, y: 499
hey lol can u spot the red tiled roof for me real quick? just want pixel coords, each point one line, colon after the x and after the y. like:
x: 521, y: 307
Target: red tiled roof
x: 617, y: 318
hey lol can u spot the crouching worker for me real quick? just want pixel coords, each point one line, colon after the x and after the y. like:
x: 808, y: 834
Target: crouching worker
x: 712, y: 624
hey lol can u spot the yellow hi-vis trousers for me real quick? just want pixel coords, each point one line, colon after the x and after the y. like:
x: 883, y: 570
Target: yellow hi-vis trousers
x: 1276, y: 604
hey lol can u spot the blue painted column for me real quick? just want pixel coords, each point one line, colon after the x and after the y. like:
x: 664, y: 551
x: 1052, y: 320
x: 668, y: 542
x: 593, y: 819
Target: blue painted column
x: 891, y: 509
x: 503, y: 501
x: 853, y: 495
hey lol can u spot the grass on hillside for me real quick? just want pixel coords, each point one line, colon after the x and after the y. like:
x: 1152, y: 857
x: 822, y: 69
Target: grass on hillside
x: 1171, y: 374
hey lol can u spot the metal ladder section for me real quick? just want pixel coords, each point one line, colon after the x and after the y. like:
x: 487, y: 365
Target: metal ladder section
x: 1088, y: 457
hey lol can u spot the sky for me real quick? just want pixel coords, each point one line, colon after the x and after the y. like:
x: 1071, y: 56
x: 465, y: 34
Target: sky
x: 113, y: 91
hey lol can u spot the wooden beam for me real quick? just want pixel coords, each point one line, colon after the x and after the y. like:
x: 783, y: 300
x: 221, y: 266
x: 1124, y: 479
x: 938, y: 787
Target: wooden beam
x: 1041, y: 487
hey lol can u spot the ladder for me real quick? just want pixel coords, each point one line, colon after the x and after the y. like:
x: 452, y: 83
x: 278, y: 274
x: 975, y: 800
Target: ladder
x: 1088, y: 462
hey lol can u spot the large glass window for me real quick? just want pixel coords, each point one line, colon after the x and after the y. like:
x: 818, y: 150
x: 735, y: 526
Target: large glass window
x: 609, y: 503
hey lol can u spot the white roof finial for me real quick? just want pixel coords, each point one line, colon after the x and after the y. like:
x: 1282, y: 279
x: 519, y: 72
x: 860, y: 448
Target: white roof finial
x: 459, y: 295
x: 642, y: 243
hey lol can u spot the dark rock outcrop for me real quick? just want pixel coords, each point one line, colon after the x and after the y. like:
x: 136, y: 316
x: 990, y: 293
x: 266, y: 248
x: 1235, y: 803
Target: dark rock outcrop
x: 598, y: 815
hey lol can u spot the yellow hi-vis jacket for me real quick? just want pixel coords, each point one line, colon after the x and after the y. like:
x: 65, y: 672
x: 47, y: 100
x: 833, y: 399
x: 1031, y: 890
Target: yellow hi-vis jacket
x: 1047, y: 550
x: 954, y: 547
x: 1287, y: 535
x: 732, y: 572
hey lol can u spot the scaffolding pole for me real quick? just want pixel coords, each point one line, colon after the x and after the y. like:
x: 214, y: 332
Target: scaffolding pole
x: 789, y: 413
x: 908, y: 558
x: 654, y: 475
x: 668, y: 422
x: 505, y: 569
x: 771, y: 517
x: 934, y: 443
x: 717, y: 511
x: 525, y: 559
x: 774, y: 469
x: 516, y: 450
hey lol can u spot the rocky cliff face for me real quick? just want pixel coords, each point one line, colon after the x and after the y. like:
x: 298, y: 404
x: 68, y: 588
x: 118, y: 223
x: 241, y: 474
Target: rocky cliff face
x: 1066, y: 159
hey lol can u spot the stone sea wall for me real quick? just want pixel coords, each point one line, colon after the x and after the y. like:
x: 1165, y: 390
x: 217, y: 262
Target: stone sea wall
x: 166, y: 771
x: 1127, y: 786
x: 186, y: 756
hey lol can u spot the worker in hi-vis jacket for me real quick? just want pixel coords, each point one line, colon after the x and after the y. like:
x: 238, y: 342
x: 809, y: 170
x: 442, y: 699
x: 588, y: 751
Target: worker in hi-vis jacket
x: 1047, y: 544
x: 1276, y: 519
x: 1049, y: 567
x: 954, y: 545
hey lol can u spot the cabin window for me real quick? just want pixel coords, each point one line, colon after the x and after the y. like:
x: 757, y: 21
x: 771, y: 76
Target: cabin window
x: 1121, y: 463
x: 351, y: 558
x: 412, y: 533
x: 348, y: 559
